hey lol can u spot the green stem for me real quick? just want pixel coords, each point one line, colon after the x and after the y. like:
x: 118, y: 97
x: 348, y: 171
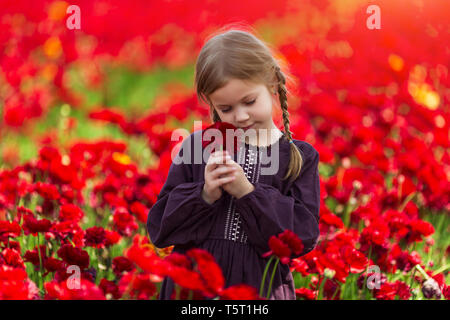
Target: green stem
x: 365, y: 277
x: 322, y: 284
x: 422, y: 272
x: 271, y: 278
x: 40, y: 263
x: 441, y: 269
x: 261, y: 289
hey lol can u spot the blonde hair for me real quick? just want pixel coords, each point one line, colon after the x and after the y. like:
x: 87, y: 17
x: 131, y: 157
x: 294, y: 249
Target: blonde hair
x: 239, y: 54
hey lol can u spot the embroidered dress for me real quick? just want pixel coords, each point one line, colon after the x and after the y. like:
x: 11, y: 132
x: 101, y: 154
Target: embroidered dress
x: 236, y: 231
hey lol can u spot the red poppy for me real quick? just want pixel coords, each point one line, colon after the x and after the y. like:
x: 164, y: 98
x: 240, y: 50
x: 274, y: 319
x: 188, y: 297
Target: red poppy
x: 221, y: 140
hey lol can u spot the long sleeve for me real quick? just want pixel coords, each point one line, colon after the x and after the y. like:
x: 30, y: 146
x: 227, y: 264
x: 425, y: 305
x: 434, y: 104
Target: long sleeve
x: 180, y: 214
x: 266, y: 211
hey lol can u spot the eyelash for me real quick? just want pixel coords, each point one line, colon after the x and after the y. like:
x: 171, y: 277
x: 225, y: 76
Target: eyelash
x: 247, y: 103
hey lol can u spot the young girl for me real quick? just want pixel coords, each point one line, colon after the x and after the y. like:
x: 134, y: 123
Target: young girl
x: 231, y: 210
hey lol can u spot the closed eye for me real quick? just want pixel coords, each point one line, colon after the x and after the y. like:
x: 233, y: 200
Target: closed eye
x: 247, y: 103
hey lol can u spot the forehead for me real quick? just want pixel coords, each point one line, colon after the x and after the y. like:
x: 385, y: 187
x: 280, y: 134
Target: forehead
x: 234, y: 90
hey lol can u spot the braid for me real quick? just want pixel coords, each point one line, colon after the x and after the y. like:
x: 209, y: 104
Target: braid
x: 296, y: 159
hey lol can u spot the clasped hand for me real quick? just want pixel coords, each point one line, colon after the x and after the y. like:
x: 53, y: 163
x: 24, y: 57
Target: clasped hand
x: 223, y: 173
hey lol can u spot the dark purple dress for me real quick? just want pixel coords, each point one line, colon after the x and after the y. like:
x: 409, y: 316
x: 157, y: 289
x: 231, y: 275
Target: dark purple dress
x: 236, y: 231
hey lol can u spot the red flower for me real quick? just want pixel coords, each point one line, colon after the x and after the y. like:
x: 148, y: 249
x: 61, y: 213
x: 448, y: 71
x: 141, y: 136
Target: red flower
x: 136, y: 286
x: 124, y: 222
x: 9, y: 230
x: 209, y: 271
x: 61, y: 291
x: 52, y: 265
x: 12, y: 258
x: 220, y: 140
x: 33, y: 226
x: 95, y: 237
x: 122, y: 264
x: 109, y: 287
x: 142, y: 254
x: 292, y: 240
x: 47, y: 191
x: 70, y: 212
x: 74, y: 256
x: 140, y: 211
x: 305, y: 293
x: 15, y: 285
x: 240, y: 292
x: 33, y: 255
x: 111, y: 237
x: 284, y: 245
x: 355, y: 259
x: 419, y: 228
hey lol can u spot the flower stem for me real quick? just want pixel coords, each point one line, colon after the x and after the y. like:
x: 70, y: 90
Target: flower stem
x: 261, y: 289
x: 422, y: 272
x: 271, y: 278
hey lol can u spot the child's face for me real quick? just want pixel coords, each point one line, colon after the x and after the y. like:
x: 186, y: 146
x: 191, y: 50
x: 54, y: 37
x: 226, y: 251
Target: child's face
x: 244, y: 104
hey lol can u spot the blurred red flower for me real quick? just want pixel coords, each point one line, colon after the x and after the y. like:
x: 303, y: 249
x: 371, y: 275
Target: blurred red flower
x: 95, y: 237
x: 33, y: 226
x: 74, y: 256
x: 220, y: 141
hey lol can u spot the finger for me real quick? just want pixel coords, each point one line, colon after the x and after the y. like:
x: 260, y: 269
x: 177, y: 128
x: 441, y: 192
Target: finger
x: 215, y: 162
x: 221, y: 181
x: 223, y: 170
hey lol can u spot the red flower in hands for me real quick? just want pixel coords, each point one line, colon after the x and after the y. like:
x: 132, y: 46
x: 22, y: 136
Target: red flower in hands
x: 284, y: 245
x: 221, y: 140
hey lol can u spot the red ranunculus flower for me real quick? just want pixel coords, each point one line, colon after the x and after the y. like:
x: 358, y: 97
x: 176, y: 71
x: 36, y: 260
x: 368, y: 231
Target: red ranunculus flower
x: 305, y: 293
x: 70, y: 212
x: 109, y: 288
x: 209, y: 271
x: 9, y: 230
x: 122, y: 264
x: 221, y: 140
x: 62, y: 291
x: 284, y: 245
x: 124, y: 222
x: 33, y: 226
x: 95, y: 237
x: 240, y: 292
x: 74, y: 256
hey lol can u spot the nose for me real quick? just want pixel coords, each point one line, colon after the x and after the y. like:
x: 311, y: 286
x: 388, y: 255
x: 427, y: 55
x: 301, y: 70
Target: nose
x: 241, y: 116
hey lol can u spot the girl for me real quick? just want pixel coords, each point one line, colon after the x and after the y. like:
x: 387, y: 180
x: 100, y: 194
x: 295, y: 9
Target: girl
x: 232, y: 210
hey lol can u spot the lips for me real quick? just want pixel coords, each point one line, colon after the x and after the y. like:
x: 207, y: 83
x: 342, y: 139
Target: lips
x: 245, y: 128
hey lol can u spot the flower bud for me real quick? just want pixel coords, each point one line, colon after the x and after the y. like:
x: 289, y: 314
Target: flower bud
x: 430, y: 289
